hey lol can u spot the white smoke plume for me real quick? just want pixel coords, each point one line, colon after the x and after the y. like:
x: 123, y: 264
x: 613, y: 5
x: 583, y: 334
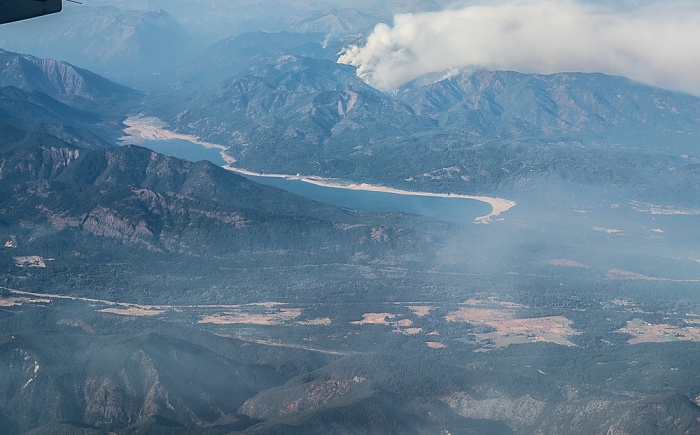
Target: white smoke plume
x: 658, y: 44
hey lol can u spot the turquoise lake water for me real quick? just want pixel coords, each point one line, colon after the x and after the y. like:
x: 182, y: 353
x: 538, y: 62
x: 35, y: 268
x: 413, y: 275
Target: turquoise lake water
x: 448, y: 209
x: 184, y: 149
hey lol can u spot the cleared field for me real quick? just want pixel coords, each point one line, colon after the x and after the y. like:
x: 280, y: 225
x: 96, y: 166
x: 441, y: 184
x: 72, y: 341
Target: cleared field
x: 266, y: 317
x: 643, y: 332
x: 501, y: 317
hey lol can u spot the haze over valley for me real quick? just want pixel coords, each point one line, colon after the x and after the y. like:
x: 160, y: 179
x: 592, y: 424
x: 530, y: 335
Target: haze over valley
x: 275, y: 217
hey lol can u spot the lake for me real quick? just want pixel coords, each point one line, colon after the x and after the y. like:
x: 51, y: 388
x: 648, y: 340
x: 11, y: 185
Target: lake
x: 448, y: 209
x: 184, y: 149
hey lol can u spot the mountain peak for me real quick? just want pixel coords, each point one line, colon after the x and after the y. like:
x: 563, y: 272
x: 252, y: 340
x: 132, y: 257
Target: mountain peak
x: 56, y: 78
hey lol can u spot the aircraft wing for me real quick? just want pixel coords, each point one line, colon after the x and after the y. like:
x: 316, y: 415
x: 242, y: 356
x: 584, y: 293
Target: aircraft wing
x: 16, y: 10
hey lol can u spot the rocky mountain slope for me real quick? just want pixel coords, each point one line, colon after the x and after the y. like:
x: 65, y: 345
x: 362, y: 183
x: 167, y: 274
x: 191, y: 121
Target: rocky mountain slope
x: 480, y: 132
x: 58, y: 79
x: 163, y: 204
x: 328, y: 113
x: 565, y: 106
x: 78, y: 372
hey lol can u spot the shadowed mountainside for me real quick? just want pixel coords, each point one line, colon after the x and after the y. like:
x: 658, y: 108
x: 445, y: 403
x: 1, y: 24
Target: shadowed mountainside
x: 164, y: 204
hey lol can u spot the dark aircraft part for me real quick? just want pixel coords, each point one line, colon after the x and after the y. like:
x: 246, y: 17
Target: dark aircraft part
x: 16, y: 10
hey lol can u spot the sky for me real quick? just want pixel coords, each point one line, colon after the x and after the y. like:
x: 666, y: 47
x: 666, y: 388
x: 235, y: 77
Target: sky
x: 657, y: 43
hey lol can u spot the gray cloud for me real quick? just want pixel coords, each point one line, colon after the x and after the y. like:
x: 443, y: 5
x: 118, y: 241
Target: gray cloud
x: 657, y: 44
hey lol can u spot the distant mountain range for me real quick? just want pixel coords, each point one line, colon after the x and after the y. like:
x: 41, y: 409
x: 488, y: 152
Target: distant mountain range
x: 228, y: 57
x: 139, y: 43
x: 130, y: 46
x: 334, y: 22
x: 70, y: 103
x: 566, y: 106
x: 58, y: 79
x: 230, y: 19
x: 471, y: 132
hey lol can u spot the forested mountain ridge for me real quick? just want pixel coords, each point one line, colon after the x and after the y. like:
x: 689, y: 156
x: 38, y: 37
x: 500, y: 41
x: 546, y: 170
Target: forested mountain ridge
x: 475, y: 132
x: 76, y: 372
x: 311, y: 110
x: 165, y: 204
x: 565, y: 106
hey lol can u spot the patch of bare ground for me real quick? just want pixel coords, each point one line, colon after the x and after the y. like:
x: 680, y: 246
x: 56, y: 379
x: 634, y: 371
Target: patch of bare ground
x: 13, y: 302
x: 375, y: 319
x: 323, y: 321
x: 256, y: 313
x: 409, y: 331
x: 29, y: 261
x: 492, y: 301
x: 141, y: 128
x: 420, y: 310
x: 646, y: 207
x: 405, y: 323
x: 628, y: 275
x: 435, y: 345
x: 552, y: 329
x: 607, y: 230
x: 9, y: 302
x: 402, y: 326
x: 276, y: 317
x: 510, y: 330
x: 134, y: 311
x: 479, y: 315
x: 643, y: 332
x: 567, y: 263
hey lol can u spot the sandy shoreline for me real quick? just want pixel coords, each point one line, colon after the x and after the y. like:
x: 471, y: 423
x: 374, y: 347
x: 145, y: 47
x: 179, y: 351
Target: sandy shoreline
x: 140, y: 129
x: 498, y: 205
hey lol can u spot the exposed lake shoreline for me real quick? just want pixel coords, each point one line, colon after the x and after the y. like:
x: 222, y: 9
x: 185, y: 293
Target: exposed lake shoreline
x: 140, y: 129
x: 498, y: 205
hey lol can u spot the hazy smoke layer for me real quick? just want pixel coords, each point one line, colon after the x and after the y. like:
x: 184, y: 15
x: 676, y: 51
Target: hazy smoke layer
x: 658, y: 44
